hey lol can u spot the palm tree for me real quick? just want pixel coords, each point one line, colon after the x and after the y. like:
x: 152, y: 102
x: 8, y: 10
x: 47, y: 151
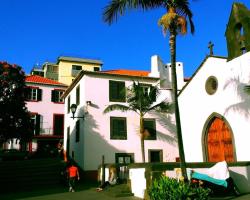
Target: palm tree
x: 141, y: 100
x: 174, y: 22
x: 247, y: 89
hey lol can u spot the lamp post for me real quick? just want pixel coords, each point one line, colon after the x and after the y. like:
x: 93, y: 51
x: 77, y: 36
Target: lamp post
x: 73, y: 108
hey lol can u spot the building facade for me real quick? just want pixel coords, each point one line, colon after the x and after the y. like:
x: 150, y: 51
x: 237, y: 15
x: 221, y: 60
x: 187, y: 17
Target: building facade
x: 116, y: 135
x: 47, y: 111
x: 66, y: 68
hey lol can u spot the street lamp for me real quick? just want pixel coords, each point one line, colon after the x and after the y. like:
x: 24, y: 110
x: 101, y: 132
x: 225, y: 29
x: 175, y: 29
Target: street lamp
x: 73, y: 108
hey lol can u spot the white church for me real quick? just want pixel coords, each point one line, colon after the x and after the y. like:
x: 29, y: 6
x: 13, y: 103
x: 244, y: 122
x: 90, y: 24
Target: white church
x: 214, y: 104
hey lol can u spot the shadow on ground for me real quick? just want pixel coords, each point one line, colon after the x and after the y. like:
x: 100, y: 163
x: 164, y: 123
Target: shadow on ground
x: 45, y: 192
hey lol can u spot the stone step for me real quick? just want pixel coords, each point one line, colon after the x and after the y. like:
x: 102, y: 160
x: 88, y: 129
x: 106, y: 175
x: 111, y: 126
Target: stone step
x: 29, y: 174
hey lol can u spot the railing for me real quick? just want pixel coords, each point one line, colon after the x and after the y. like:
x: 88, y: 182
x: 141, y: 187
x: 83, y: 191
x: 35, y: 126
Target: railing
x: 123, y: 172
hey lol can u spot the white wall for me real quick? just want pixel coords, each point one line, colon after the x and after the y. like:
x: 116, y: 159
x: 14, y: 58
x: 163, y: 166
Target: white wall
x: 229, y: 101
x: 76, y: 147
x: 96, y: 127
x: 163, y: 71
x: 239, y: 174
x: 45, y: 107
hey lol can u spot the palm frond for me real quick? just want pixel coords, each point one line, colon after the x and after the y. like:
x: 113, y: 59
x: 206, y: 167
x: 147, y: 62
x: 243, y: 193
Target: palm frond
x: 166, y: 20
x: 247, y: 89
x: 113, y: 107
x: 118, y: 7
x: 163, y: 107
x: 182, y: 25
x: 183, y: 9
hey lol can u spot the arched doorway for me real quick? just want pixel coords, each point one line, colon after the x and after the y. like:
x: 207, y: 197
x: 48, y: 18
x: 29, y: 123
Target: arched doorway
x: 219, y: 141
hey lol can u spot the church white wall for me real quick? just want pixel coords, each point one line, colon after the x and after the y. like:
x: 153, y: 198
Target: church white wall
x: 230, y: 101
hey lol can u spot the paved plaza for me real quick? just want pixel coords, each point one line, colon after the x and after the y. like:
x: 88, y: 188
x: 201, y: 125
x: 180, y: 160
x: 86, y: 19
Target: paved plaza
x: 84, y: 192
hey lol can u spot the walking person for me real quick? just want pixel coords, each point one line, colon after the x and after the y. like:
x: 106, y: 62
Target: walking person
x: 73, y: 175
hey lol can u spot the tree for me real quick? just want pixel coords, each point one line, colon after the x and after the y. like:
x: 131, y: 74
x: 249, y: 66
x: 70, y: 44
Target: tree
x: 141, y: 100
x: 174, y: 22
x: 14, y: 117
x: 247, y: 89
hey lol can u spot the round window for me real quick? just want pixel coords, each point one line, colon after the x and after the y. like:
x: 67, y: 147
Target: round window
x: 211, y: 85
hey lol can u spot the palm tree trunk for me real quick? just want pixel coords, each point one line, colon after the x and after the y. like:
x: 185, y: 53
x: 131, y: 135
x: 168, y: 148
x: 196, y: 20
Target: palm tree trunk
x: 142, y: 138
x: 172, y: 44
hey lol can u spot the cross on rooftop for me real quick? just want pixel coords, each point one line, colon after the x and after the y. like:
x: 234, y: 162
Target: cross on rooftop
x: 210, y: 46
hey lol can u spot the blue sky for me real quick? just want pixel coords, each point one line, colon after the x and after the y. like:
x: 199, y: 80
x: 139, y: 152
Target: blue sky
x: 35, y: 31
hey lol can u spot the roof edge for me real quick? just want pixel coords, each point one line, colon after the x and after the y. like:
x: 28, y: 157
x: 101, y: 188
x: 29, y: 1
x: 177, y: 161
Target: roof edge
x: 198, y: 69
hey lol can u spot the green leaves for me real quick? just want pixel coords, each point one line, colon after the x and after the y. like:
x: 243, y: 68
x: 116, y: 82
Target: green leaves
x: 118, y: 7
x: 113, y: 107
x: 166, y: 188
x: 14, y: 117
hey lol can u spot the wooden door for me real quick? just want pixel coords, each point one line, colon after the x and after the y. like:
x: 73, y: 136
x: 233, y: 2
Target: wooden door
x: 219, y: 142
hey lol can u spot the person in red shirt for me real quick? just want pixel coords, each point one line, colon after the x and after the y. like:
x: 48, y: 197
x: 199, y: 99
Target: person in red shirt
x: 73, y: 174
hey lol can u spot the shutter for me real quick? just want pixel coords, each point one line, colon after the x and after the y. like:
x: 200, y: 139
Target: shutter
x: 117, y: 91
x: 37, y: 125
x: 27, y: 92
x: 53, y: 95
x: 121, y: 91
x: 58, y: 124
x: 150, y: 126
x: 77, y: 131
x: 118, y: 128
x: 39, y: 94
x: 111, y: 90
x: 153, y: 93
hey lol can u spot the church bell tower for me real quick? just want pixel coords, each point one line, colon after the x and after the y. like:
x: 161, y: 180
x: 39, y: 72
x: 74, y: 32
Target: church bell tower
x: 238, y: 31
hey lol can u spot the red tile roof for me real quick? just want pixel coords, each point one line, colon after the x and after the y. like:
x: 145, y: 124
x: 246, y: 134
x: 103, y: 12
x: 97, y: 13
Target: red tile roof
x: 42, y: 80
x: 127, y: 72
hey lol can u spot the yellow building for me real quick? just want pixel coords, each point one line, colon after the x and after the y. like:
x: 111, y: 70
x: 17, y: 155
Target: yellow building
x: 67, y: 68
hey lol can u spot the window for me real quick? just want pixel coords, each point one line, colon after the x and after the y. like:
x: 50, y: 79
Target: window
x: 149, y: 90
x: 149, y: 125
x: 124, y: 158
x: 68, y: 104
x: 96, y: 69
x: 52, y: 68
x: 75, y: 70
x: 68, y: 141
x: 33, y: 94
x: 58, y: 124
x: 56, y: 96
x: 77, y: 130
x: 211, y: 85
x: 36, y: 123
x: 155, y: 155
x: 118, y: 128
x: 78, y: 95
x: 117, y: 91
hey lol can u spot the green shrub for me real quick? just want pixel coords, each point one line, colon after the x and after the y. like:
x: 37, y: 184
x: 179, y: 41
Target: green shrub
x: 166, y: 188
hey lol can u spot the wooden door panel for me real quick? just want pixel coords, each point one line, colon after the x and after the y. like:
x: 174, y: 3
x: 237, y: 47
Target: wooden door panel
x: 219, y: 142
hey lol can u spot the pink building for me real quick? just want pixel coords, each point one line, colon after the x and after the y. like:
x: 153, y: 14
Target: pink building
x: 47, y: 110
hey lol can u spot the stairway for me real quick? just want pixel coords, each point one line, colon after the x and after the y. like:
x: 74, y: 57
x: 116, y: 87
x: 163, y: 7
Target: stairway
x: 29, y: 174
